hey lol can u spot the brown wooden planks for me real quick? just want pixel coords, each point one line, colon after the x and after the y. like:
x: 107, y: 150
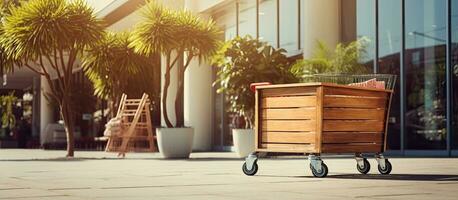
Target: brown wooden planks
x: 289, y: 113
x: 353, y: 102
x: 354, y: 113
x: 290, y: 91
x: 352, y: 148
x: 288, y: 125
x: 287, y: 148
x: 288, y: 137
x: 288, y: 102
x: 351, y: 137
x: 354, y: 92
x: 353, y: 125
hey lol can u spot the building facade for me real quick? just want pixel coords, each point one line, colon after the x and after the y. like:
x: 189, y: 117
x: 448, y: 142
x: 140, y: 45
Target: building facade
x: 414, y: 39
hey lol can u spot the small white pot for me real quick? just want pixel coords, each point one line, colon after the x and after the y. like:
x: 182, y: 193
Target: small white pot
x: 175, y: 142
x: 243, y: 141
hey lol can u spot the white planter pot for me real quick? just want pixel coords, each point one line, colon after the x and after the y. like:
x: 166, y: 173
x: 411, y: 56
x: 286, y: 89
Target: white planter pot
x: 175, y: 142
x: 243, y: 141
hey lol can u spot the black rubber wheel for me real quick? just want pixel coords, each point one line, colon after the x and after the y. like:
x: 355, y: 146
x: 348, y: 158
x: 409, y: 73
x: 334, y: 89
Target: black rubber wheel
x: 365, y: 169
x: 323, y: 173
x: 387, y: 169
x: 251, y: 172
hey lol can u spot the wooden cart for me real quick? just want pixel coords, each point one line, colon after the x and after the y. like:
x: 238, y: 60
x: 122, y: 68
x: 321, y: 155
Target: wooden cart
x: 316, y: 118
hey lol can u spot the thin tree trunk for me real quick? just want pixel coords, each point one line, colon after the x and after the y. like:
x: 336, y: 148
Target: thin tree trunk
x: 179, y: 99
x: 67, y: 116
x: 164, y: 95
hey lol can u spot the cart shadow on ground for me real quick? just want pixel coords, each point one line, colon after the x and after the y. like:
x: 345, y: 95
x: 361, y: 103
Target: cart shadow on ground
x: 393, y: 177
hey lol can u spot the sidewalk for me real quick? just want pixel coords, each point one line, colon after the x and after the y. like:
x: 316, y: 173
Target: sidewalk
x: 37, y: 174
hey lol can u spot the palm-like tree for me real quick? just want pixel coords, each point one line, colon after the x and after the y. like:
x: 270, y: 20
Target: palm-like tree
x: 114, y: 68
x: 47, y: 36
x: 177, y: 32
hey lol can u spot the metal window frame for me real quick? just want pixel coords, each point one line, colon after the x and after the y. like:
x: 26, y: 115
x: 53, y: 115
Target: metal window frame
x: 402, y: 80
x: 448, y: 73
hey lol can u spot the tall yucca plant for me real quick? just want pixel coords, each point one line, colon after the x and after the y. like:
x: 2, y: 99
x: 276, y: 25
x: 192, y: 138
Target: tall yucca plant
x: 113, y: 67
x: 48, y: 36
x: 172, y: 32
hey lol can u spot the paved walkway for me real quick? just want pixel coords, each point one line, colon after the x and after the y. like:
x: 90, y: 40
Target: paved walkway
x: 38, y: 174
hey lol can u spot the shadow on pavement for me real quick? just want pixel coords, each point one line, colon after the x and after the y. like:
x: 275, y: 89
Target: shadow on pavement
x: 394, y: 177
x: 400, y: 177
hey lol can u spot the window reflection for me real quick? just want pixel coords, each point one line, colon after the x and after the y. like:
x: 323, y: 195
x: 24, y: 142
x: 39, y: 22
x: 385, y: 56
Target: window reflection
x: 289, y: 25
x: 267, y: 22
x: 247, y: 18
x: 454, y: 70
x: 425, y: 39
x: 365, y: 28
x: 389, y: 61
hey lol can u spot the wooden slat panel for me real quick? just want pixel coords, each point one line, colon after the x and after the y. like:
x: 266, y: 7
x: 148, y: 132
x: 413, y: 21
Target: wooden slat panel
x: 289, y: 113
x: 288, y: 137
x: 354, y: 92
x: 257, y: 120
x: 288, y: 102
x: 353, y: 102
x: 352, y: 137
x: 353, y: 125
x: 352, y: 148
x: 289, y: 91
x: 354, y: 113
x: 288, y: 125
x: 319, y: 117
x: 287, y: 148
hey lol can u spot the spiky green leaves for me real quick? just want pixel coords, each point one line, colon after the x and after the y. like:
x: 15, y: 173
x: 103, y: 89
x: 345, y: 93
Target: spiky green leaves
x: 38, y: 27
x: 345, y: 58
x: 110, y: 62
x: 164, y: 30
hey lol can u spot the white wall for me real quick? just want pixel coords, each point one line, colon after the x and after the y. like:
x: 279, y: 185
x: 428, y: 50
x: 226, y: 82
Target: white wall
x: 322, y: 22
x: 198, y: 103
x: 46, y: 111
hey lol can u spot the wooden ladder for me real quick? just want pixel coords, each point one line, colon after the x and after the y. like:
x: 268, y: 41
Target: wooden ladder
x: 136, y: 127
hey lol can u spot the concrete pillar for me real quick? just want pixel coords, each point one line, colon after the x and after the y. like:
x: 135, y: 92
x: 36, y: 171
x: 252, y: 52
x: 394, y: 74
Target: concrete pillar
x: 322, y: 22
x: 46, y: 111
x: 198, y: 103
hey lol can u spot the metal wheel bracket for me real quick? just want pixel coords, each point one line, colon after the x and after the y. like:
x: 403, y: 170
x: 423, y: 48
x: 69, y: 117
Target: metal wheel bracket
x: 381, y: 161
x: 360, y: 161
x: 316, y: 162
x: 250, y: 160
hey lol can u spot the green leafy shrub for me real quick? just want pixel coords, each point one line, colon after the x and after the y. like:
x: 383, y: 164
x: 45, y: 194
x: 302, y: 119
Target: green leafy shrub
x: 243, y: 61
x: 343, y: 59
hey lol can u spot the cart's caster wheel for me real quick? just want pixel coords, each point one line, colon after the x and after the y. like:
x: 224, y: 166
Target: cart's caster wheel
x: 323, y: 173
x: 387, y: 169
x: 365, y: 169
x: 250, y: 172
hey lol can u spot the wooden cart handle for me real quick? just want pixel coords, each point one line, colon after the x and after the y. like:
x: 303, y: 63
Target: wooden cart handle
x: 254, y: 85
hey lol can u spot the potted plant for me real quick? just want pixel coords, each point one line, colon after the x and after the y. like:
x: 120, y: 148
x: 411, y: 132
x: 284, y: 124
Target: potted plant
x: 240, y: 62
x: 179, y: 36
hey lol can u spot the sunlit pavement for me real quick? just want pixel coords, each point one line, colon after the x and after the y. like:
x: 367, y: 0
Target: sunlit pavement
x: 39, y: 174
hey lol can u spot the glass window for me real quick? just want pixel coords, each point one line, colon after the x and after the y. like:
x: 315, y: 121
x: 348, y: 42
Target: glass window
x: 222, y: 137
x: 247, y: 18
x: 289, y: 25
x: 267, y: 21
x: 389, y: 61
x: 425, y: 40
x: 365, y: 28
x: 454, y: 55
x: 226, y: 19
